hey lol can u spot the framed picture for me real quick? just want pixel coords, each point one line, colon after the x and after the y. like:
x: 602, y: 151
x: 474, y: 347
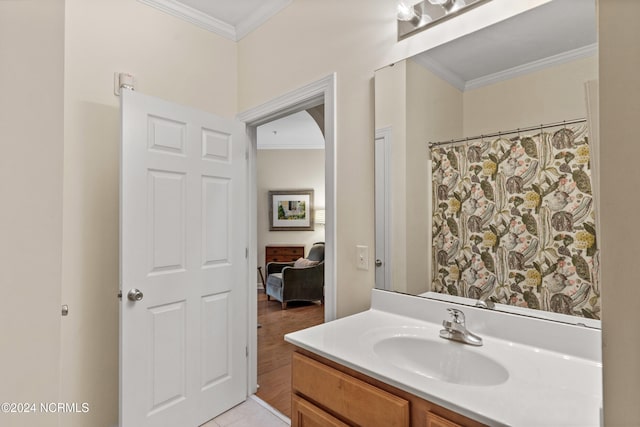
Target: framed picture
x: 291, y: 210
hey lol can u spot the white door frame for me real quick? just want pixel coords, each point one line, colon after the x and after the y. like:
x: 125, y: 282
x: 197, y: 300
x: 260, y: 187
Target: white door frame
x: 311, y: 95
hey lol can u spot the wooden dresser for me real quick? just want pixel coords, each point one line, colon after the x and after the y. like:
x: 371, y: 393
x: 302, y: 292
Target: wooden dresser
x: 283, y: 253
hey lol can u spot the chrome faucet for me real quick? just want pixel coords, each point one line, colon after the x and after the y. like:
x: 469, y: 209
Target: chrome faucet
x: 456, y: 330
x: 485, y: 303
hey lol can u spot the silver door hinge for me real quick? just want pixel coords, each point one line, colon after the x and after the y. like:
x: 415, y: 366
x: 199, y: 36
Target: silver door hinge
x: 246, y: 252
x: 246, y: 351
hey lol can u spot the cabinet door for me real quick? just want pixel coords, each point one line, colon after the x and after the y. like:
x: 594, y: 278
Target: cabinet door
x: 306, y: 414
x: 353, y: 400
x: 434, y: 420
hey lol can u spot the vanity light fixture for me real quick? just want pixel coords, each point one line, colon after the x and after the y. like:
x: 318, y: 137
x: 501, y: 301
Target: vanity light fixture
x: 405, y: 11
x: 449, y: 6
x: 426, y: 13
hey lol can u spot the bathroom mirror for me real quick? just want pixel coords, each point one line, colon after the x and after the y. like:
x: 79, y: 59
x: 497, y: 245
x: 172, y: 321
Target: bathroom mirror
x: 534, y: 69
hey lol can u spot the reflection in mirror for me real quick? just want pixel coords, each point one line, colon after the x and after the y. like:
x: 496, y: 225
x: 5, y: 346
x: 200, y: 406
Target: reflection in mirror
x: 534, y: 69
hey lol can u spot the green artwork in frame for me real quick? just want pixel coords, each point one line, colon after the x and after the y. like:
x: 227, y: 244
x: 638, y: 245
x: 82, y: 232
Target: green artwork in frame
x: 291, y: 210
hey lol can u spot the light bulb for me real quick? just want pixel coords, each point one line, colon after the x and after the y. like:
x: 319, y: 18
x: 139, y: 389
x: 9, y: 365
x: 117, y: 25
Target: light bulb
x: 457, y: 5
x: 451, y: 6
x: 405, y: 12
x: 425, y: 18
x: 438, y: 2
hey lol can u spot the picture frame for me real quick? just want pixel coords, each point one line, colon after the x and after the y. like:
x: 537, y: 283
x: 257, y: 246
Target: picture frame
x: 291, y: 210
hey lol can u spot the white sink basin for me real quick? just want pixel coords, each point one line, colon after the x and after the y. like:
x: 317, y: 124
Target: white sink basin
x: 447, y: 361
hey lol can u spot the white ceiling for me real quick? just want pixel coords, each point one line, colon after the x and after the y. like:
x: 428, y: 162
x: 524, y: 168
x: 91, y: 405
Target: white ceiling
x: 296, y: 131
x: 232, y: 12
x: 555, y: 32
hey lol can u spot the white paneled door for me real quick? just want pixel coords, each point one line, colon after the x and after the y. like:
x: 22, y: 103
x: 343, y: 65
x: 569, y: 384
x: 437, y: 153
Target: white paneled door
x: 183, y: 266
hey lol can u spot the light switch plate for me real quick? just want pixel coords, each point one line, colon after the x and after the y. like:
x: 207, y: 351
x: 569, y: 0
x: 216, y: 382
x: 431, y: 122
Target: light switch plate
x: 363, y: 257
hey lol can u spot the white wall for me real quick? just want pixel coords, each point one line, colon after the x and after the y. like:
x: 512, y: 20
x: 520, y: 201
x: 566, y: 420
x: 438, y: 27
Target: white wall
x: 31, y: 133
x: 288, y: 170
x: 170, y: 59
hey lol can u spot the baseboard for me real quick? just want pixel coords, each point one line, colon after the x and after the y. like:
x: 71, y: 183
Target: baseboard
x: 271, y: 409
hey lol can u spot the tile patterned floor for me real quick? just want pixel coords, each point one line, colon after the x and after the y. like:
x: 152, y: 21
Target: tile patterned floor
x: 252, y: 412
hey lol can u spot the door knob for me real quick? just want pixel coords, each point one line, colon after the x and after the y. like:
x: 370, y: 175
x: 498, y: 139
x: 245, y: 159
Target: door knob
x: 378, y: 263
x: 134, y: 295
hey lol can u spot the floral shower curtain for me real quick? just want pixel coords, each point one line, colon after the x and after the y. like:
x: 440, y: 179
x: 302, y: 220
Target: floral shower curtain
x: 513, y: 221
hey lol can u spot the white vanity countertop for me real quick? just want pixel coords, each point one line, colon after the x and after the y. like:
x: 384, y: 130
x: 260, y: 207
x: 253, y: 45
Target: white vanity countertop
x: 556, y: 385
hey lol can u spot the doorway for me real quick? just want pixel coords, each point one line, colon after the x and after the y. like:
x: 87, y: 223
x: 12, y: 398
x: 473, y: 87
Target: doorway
x: 321, y: 92
x: 290, y: 159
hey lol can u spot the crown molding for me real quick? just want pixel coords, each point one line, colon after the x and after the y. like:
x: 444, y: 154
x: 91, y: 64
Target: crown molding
x: 258, y: 17
x: 551, y: 61
x: 441, y: 71
x: 189, y: 14
x: 458, y: 82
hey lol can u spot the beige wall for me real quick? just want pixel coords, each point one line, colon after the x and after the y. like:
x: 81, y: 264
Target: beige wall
x: 434, y: 113
x: 546, y: 96
x: 418, y: 107
x: 170, y: 59
x: 391, y: 112
x: 288, y: 170
x: 31, y: 132
x: 619, y: 113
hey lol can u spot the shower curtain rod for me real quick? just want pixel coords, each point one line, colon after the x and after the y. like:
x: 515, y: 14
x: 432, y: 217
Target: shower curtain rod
x: 491, y: 135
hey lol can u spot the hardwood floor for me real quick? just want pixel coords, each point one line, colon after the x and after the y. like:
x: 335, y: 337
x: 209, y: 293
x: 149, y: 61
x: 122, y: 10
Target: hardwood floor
x: 274, y: 353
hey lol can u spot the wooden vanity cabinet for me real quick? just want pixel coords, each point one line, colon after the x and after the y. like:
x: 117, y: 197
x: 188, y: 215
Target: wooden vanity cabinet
x: 327, y: 394
x: 306, y: 414
x: 343, y: 397
x: 434, y: 420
